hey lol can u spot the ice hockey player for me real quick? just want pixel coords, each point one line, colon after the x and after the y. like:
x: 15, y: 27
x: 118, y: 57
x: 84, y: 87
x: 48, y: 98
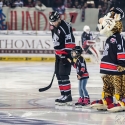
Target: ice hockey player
x: 82, y: 75
x: 86, y: 35
x: 63, y: 40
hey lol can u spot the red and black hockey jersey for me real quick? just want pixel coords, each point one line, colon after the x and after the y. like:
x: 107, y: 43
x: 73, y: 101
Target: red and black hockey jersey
x: 113, y: 55
x: 63, y: 38
x: 85, y: 36
x: 81, y: 68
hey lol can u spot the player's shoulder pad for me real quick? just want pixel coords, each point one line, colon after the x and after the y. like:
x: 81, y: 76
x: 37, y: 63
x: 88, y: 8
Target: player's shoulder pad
x: 64, y: 23
x: 65, y: 26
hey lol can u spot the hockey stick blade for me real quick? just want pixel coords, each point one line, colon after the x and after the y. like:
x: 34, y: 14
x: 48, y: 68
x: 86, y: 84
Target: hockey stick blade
x: 46, y: 88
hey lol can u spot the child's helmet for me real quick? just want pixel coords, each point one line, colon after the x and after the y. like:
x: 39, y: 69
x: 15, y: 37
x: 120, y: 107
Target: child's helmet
x: 78, y: 50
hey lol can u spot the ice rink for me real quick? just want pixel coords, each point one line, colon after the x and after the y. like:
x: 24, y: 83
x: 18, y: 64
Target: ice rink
x: 22, y: 104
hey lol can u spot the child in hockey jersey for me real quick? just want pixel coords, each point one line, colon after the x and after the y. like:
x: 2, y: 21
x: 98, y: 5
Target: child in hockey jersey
x: 82, y: 76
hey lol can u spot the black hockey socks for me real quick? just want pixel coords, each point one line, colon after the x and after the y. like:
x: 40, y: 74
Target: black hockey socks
x: 66, y: 85
x: 60, y: 85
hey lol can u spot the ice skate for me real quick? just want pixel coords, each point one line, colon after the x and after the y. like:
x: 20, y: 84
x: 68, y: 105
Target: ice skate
x: 67, y: 100
x: 58, y: 100
x: 79, y: 103
x: 86, y: 101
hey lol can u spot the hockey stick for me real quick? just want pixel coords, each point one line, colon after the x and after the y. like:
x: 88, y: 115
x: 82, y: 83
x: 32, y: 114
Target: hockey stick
x: 46, y: 88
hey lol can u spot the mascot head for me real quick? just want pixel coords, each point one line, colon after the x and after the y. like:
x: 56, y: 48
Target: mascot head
x: 111, y: 22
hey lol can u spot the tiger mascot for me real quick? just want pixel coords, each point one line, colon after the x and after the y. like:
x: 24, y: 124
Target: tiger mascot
x: 112, y: 66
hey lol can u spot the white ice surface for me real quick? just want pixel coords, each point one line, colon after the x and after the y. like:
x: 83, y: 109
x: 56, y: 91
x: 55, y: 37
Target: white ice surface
x: 21, y: 103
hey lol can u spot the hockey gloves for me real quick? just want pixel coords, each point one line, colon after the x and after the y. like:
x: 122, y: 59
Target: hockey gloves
x: 64, y: 59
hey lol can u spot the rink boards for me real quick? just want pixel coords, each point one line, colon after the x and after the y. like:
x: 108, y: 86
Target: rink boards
x: 20, y: 46
x: 32, y: 59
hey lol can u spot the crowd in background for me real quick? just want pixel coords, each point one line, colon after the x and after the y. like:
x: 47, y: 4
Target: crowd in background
x: 23, y: 3
x: 60, y: 5
x: 79, y: 4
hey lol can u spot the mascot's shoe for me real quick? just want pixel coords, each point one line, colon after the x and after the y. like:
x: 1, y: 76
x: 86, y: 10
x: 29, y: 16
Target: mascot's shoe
x: 102, y: 103
x: 116, y: 107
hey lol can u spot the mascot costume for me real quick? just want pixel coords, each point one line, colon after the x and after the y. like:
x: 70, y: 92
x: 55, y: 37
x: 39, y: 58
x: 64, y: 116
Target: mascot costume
x: 112, y: 67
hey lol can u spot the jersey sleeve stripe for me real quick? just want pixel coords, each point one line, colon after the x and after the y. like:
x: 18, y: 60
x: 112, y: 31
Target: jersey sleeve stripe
x: 59, y: 52
x: 108, y: 66
x: 121, y: 56
x: 69, y: 45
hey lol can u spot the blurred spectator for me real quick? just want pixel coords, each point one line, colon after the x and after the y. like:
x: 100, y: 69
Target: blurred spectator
x: 76, y: 5
x: 100, y: 11
x: 60, y: 10
x: 58, y: 6
x: 57, y: 3
x: 110, y: 4
x: 105, y: 1
x: 101, y: 2
x: 68, y: 3
x: 30, y: 3
x: 9, y: 3
x: 83, y: 12
x: 47, y: 3
x: 91, y: 4
x: 96, y: 3
x: 1, y: 4
x: 18, y: 3
x: 82, y: 2
x: 6, y: 3
x: 40, y: 6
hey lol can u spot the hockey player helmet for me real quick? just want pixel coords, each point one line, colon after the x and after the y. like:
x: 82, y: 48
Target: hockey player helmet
x: 54, y: 16
x: 78, y: 51
x: 86, y: 29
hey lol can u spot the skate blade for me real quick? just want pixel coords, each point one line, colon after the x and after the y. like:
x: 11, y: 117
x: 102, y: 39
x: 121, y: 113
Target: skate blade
x: 78, y: 106
x: 86, y: 106
x: 64, y: 107
x: 56, y: 103
x: 61, y: 104
x: 69, y: 103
